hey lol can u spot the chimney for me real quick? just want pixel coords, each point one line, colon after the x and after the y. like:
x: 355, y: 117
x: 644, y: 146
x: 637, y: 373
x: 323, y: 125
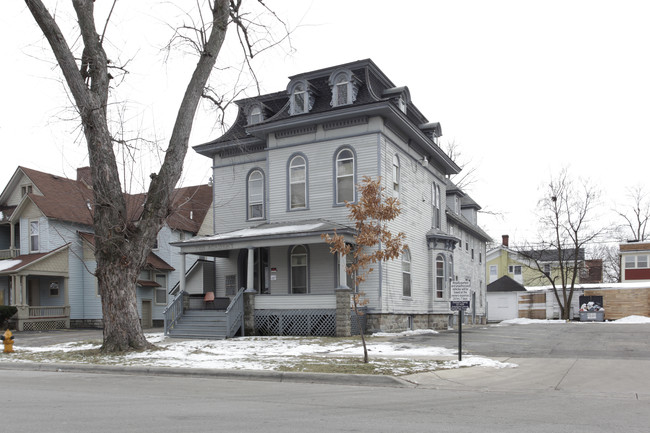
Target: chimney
x: 504, y: 241
x: 83, y: 175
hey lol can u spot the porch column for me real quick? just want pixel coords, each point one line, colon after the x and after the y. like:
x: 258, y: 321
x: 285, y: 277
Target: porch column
x: 182, y: 278
x: 343, y: 279
x: 23, y: 290
x: 12, y: 239
x: 250, y: 276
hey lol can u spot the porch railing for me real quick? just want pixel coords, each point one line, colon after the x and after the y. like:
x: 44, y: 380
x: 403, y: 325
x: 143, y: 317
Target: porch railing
x: 38, y: 318
x: 173, y: 312
x: 235, y: 314
x: 48, y: 312
x: 9, y: 253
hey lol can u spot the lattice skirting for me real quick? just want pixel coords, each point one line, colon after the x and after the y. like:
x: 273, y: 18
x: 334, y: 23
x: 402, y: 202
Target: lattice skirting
x: 312, y: 322
x: 46, y: 325
x: 316, y: 322
x: 354, y: 325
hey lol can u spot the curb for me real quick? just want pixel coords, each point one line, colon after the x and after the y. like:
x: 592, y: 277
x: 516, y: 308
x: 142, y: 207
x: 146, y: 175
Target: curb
x: 270, y: 376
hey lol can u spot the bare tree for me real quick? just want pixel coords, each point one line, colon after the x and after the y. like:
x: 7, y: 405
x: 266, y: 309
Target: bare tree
x: 122, y: 244
x: 566, y: 228
x: 636, y: 213
x: 374, y: 242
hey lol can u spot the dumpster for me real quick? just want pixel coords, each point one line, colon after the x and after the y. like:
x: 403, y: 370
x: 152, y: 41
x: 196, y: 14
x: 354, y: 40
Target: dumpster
x: 591, y: 309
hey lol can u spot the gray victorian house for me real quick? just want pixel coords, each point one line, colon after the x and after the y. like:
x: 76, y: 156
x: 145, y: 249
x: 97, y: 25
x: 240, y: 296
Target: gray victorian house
x: 282, y: 175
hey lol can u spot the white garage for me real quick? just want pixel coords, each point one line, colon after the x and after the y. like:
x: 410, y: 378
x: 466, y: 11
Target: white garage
x: 502, y: 299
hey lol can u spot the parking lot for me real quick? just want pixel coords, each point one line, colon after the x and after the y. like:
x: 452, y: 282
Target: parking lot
x: 548, y: 340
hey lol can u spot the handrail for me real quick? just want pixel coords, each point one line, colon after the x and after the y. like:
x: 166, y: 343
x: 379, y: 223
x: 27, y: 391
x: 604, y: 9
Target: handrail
x: 235, y: 314
x: 173, y: 312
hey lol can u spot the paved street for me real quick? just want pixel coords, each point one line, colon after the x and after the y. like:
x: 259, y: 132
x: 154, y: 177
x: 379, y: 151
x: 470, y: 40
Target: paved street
x: 72, y: 402
x: 570, y: 377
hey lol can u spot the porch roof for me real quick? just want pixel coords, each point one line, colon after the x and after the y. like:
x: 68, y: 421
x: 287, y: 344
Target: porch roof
x: 21, y: 262
x: 264, y: 235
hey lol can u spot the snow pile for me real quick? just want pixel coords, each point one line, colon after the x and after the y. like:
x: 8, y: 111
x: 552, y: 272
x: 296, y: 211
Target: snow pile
x: 633, y: 319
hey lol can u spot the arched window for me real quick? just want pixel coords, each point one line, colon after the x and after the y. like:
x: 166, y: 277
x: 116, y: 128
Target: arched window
x: 440, y: 277
x: 406, y: 273
x: 344, y: 176
x: 298, y: 183
x: 255, y: 195
x: 396, y: 175
x: 299, y: 269
x: 255, y: 115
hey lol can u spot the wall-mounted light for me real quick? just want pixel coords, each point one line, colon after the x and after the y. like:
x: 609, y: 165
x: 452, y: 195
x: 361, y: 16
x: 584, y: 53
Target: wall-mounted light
x: 424, y: 161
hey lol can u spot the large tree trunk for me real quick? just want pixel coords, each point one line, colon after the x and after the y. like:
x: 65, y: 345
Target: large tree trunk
x: 122, y: 244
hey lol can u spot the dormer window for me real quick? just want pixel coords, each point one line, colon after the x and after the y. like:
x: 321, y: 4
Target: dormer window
x: 255, y: 115
x: 345, y: 87
x: 301, y: 97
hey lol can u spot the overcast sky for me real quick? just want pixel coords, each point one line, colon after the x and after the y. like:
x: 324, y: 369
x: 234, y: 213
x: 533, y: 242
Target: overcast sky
x: 523, y: 88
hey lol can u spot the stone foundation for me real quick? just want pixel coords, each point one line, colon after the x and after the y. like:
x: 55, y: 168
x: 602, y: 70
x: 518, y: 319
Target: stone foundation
x: 400, y: 322
x: 86, y: 323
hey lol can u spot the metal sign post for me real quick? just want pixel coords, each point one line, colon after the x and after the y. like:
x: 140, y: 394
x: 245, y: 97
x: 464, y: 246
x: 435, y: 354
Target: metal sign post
x: 460, y: 296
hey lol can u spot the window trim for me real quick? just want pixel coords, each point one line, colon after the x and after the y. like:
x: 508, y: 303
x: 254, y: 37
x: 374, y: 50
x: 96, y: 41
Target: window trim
x: 353, y: 175
x: 343, y: 77
x: 249, y: 203
x: 435, y: 202
x: 162, y: 288
x: 439, y: 277
x: 406, y: 274
x: 397, y: 176
x: 290, y: 184
x: 291, y: 266
x: 33, y: 236
x: 255, y: 115
x: 300, y: 87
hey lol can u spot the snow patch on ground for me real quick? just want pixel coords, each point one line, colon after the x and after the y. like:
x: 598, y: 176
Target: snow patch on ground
x: 405, y: 333
x: 523, y: 321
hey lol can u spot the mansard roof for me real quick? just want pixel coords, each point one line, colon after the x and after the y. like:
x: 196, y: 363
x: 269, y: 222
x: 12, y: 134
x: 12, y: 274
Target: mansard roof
x: 376, y: 96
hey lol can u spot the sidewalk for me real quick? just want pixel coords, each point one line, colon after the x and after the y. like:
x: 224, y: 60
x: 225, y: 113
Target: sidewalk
x: 586, y: 377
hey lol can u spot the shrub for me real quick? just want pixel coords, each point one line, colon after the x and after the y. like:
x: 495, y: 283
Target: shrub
x: 6, y: 313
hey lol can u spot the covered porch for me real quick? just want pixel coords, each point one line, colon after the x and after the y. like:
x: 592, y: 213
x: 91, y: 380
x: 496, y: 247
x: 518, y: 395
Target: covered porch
x: 293, y: 284
x: 37, y: 285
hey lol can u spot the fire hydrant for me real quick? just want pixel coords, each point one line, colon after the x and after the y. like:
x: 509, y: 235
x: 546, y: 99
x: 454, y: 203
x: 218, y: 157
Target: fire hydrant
x: 8, y: 341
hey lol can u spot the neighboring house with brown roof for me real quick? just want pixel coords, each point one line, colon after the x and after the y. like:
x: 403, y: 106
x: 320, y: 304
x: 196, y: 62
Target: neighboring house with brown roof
x: 47, y: 243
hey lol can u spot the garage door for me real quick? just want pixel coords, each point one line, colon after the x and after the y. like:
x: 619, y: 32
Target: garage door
x: 502, y: 306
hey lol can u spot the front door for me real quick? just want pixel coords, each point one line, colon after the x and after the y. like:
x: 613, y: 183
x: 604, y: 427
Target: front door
x: 33, y: 293
x: 261, y: 273
x: 147, y: 314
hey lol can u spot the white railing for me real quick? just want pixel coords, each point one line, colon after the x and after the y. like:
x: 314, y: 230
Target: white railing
x: 47, y: 312
x: 173, y: 312
x: 235, y: 314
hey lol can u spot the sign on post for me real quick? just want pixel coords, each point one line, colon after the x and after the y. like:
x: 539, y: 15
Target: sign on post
x: 460, y: 297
